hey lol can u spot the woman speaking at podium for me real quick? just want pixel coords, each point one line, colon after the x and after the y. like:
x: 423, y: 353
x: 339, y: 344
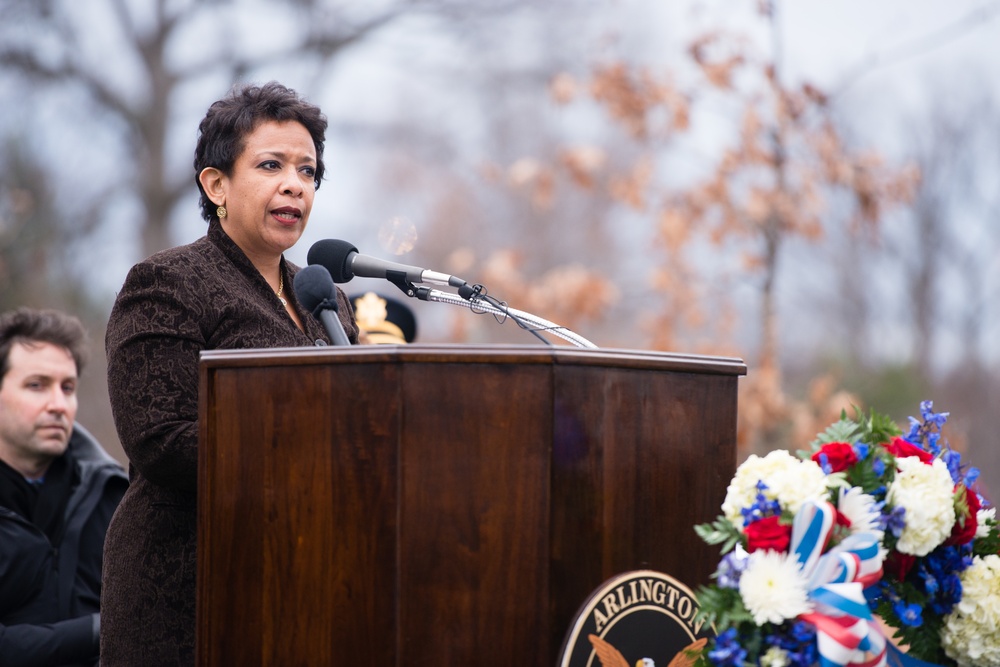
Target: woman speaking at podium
x: 258, y: 163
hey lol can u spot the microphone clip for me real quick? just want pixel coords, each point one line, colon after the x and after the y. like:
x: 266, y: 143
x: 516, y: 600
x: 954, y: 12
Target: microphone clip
x: 326, y: 304
x: 398, y: 278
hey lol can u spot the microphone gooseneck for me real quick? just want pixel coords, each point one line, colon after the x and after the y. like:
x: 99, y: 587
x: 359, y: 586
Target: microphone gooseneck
x: 342, y: 263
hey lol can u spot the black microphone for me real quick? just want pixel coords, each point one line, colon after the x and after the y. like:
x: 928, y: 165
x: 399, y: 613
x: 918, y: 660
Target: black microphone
x: 315, y: 290
x: 344, y: 262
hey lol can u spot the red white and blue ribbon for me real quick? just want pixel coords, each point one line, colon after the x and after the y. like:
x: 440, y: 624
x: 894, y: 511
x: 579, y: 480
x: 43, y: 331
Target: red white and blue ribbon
x: 846, y: 633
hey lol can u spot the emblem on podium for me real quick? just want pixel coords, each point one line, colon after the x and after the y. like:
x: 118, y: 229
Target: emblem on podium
x: 641, y: 618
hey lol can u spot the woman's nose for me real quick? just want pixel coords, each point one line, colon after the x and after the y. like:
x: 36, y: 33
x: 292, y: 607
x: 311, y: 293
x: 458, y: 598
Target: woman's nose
x: 290, y: 182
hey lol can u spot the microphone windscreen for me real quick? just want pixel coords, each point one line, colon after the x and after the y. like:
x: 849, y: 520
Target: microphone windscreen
x: 314, y: 288
x: 333, y: 255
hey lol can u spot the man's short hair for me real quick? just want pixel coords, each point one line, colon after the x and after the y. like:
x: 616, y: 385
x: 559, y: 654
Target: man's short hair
x: 29, y: 326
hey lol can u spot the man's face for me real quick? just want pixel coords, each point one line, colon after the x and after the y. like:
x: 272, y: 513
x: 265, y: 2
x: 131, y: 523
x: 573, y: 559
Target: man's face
x: 37, y: 406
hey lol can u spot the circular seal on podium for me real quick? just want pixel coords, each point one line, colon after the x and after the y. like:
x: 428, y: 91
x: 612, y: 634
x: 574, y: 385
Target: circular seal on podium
x: 641, y: 618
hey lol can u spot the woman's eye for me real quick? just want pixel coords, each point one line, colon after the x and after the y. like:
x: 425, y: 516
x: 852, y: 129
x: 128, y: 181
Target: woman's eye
x: 270, y: 164
x: 309, y: 171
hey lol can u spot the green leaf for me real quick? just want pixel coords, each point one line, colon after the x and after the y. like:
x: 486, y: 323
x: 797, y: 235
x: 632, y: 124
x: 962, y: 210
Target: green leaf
x: 840, y: 431
x: 720, y: 531
x: 721, y: 607
x: 990, y: 544
x: 877, y: 428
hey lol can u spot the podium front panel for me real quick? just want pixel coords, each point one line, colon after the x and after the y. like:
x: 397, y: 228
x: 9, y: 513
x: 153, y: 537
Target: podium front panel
x: 442, y: 505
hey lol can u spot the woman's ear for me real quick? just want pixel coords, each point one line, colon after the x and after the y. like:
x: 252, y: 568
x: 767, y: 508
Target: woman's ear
x: 214, y: 183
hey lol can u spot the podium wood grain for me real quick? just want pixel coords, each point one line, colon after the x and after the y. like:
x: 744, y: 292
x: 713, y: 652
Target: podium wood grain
x: 445, y: 505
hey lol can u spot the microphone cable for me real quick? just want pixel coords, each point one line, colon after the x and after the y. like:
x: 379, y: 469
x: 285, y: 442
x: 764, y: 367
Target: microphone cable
x: 479, y: 293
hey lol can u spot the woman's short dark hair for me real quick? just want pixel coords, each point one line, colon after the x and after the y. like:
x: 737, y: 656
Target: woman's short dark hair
x: 30, y: 327
x: 223, y: 131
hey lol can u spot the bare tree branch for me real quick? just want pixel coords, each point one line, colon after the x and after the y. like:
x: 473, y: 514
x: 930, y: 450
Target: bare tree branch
x: 919, y: 46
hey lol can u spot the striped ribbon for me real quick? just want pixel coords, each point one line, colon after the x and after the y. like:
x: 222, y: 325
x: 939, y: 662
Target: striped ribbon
x: 846, y: 633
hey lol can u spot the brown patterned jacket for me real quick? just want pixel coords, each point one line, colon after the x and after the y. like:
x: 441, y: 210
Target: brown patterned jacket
x: 203, y: 296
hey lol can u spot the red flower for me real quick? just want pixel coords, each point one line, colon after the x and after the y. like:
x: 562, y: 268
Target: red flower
x: 767, y: 533
x: 897, y: 565
x: 962, y: 534
x: 901, y: 449
x: 842, y: 520
x: 839, y: 455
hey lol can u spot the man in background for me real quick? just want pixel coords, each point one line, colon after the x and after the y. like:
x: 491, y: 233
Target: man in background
x: 58, y: 490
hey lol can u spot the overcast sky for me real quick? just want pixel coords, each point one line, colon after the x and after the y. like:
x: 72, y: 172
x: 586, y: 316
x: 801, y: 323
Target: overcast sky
x: 887, y: 57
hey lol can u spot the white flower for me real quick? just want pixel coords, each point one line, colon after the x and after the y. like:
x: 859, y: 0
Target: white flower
x: 861, y: 510
x: 982, y: 528
x: 969, y: 635
x: 926, y: 493
x: 775, y: 657
x: 789, y: 480
x: 773, y: 587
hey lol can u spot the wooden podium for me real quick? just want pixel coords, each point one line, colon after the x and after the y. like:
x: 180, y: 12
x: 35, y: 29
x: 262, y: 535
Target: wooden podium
x: 445, y: 505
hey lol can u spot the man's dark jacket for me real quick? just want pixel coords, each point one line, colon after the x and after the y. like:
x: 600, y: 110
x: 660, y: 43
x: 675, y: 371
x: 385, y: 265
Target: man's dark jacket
x: 50, y: 593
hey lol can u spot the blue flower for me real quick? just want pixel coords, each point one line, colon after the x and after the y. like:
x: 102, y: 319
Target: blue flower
x: 938, y: 575
x: 950, y: 594
x: 727, y: 650
x: 894, y: 521
x: 798, y: 642
x: 932, y: 443
x: 927, y: 429
x: 762, y: 507
x: 929, y: 416
x: 874, y: 593
x: 861, y: 450
x: 930, y: 583
x: 803, y: 632
x: 909, y: 614
x: 730, y: 568
x: 954, y: 462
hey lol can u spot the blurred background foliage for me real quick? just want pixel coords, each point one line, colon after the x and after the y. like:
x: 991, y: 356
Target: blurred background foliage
x: 695, y: 176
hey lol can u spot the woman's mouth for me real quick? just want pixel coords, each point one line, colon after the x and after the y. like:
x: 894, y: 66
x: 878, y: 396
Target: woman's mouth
x: 287, y: 215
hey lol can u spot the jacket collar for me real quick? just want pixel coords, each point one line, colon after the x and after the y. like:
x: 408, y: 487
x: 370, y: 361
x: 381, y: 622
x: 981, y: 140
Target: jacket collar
x: 84, y: 448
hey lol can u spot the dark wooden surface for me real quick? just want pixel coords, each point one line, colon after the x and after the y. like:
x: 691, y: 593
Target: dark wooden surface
x: 445, y: 505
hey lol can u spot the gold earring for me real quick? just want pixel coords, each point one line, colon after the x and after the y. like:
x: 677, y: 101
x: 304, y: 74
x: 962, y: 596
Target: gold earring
x: 221, y: 212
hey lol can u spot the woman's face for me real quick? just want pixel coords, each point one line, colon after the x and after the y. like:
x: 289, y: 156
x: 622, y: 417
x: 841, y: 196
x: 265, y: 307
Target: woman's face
x: 270, y: 193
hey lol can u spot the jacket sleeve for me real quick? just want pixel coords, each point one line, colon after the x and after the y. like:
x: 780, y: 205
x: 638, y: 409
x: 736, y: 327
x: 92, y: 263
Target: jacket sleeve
x: 66, y: 642
x: 153, y: 341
